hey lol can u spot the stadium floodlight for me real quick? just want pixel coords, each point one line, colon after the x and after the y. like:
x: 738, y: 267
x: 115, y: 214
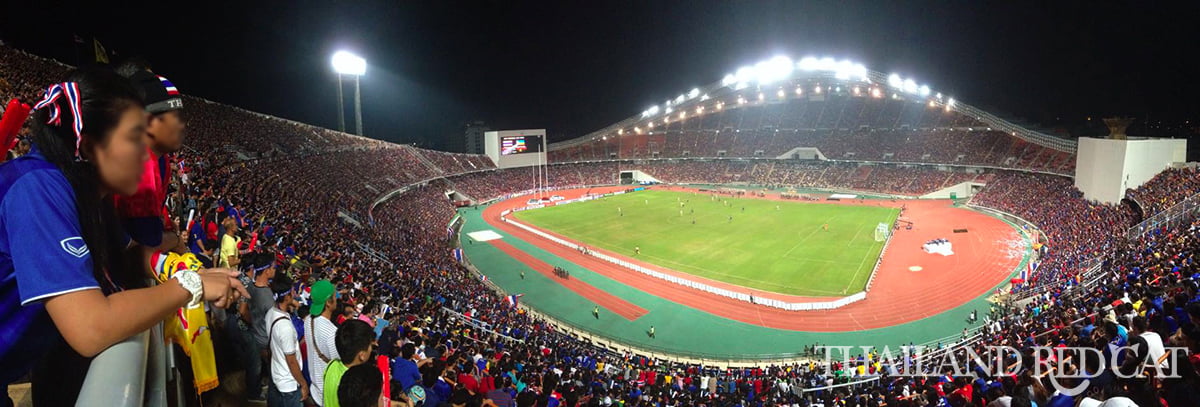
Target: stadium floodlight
x: 704, y: 97
x: 845, y: 69
x: 345, y: 63
x: 859, y: 71
x: 729, y: 79
x: 668, y: 111
x: 950, y: 102
x: 761, y: 97
x: 895, y: 81
x: 695, y: 92
x: 910, y: 86
x: 653, y: 110
x: 924, y: 90
x: 744, y: 74
x: 807, y: 64
x: 827, y: 64
x: 774, y: 69
x: 781, y: 94
x: 939, y: 95
x: 799, y: 91
x: 680, y: 99
x: 817, y: 90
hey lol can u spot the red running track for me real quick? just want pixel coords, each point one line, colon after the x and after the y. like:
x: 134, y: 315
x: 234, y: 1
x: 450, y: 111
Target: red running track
x: 983, y: 258
x: 613, y: 303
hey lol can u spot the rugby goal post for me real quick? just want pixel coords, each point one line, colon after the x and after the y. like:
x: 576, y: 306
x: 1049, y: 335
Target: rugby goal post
x: 881, y: 232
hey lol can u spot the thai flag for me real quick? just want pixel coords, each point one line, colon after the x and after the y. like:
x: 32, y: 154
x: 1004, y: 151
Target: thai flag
x: 449, y: 233
x: 512, y: 300
x: 171, y: 90
x: 458, y: 255
x: 1030, y: 268
x: 483, y: 278
x: 1025, y: 272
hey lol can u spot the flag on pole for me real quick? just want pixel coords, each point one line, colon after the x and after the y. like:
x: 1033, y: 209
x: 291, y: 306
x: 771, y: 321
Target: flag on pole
x: 512, y: 300
x: 101, y: 53
x: 483, y: 278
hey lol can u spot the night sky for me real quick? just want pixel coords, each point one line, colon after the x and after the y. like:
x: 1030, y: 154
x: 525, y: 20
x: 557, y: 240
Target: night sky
x: 575, y: 66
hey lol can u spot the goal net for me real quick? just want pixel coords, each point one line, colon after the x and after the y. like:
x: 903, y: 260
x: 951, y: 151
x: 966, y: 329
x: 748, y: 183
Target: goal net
x: 881, y: 232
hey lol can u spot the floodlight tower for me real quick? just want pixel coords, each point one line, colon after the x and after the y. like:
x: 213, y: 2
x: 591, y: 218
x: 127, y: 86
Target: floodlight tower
x: 345, y: 63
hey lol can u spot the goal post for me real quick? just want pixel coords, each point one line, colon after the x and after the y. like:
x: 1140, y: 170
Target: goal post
x: 881, y: 232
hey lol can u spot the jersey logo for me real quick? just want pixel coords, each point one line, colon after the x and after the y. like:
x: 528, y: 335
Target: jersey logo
x: 74, y: 246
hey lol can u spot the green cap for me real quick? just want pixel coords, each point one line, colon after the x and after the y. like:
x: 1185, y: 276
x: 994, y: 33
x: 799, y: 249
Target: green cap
x: 320, y: 293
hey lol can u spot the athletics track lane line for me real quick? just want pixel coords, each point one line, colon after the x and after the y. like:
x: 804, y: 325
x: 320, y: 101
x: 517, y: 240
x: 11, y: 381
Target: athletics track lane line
x: 602, y: 298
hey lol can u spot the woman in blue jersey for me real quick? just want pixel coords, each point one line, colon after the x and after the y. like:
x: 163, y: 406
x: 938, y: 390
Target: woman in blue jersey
x: 62, y: 271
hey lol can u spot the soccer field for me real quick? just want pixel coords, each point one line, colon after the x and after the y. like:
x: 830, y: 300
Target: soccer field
x: 784, y: 250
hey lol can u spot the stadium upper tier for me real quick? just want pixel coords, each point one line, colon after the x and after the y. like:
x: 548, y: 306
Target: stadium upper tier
x: 840, y: 108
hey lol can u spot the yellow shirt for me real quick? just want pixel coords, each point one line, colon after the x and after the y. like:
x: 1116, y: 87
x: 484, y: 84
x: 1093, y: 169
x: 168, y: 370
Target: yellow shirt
x: 229, y: 247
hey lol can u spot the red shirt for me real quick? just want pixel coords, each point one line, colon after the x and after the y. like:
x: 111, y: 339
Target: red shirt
x: 151, y: 196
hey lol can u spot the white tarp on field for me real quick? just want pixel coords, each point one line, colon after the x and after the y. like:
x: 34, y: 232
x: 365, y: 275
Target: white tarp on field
x: 484, y: 235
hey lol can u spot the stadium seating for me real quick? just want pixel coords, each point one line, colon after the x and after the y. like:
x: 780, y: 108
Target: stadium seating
x: 841, y: 128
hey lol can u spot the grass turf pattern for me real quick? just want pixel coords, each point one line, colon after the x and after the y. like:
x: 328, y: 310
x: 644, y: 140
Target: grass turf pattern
x: 765, y: 245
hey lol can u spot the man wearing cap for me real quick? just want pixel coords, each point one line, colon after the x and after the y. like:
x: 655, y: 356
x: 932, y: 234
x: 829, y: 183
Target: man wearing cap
x: 322, y: 347
x: 146, y: 218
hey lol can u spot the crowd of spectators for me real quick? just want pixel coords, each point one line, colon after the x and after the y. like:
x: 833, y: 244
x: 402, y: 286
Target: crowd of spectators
x: 1166, y: 189
x: 300, y: 194
x: 851, y: 128
x: 1076, y: 231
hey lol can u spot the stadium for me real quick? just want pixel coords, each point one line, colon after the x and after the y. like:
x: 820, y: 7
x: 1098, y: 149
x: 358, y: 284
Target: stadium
x: 697, y: 252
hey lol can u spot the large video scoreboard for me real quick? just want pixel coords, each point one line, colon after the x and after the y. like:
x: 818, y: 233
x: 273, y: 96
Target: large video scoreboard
x: 516, y: 148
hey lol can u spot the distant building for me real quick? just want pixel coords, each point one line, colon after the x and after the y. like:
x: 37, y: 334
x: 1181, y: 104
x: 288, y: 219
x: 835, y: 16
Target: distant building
x: 473, y: 137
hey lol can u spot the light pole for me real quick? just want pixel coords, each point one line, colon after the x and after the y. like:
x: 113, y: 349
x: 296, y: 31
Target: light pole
x: 341, y: 109
x: 345, y: 63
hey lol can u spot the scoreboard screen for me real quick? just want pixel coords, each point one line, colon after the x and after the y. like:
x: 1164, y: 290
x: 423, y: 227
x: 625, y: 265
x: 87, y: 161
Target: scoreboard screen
x: 520, y: 144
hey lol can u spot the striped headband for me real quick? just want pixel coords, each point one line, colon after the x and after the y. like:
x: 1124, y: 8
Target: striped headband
x: 278, y: 296
x: 71, y: 91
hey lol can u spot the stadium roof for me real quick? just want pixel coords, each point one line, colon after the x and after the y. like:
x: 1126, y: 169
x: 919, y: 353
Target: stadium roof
x: 777, y: 73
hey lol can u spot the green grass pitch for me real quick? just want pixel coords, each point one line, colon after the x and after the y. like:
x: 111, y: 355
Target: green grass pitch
x: 782, y: 250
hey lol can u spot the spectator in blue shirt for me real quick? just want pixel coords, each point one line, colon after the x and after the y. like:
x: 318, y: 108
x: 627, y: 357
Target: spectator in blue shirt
x: 61, y: 266
x: 406, y: 372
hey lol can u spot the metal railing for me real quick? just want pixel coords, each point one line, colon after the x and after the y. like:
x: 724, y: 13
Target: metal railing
x: 1184, y: 211
x: 133, y: 372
